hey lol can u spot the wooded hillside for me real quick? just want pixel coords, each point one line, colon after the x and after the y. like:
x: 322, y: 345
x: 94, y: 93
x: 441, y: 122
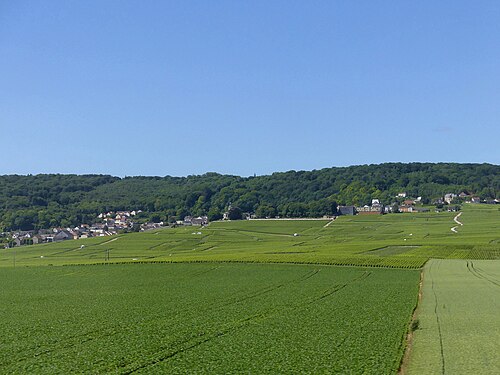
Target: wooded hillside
x: 43, y: 201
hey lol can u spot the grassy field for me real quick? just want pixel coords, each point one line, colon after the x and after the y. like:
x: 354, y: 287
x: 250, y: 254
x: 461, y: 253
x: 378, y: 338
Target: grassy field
x: 396, y: 240
x: 459, y: 320
x: 204, y: 318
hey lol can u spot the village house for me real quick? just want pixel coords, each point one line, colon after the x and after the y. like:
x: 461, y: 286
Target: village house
x: 200, y: 220
x: 109, y: 221
x: 449, y: 197
x: 22, y: 238
x: 98, y: 229
x: 108, y: 227
x: 149, y: 226
x: 122, y: 215
x: 406, y: 208
x: 48, y: 237
x: 369, y: 210
x: 63, y: 235
x: 37, y: 239
x: 375, y: 208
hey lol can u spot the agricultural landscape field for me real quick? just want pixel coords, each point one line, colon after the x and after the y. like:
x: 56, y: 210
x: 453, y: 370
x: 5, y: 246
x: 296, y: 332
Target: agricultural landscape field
x: 459, y: 324
x: 250, y: 187
x: 204, y: 318
x: 396, y: 240
x: 257, y: 296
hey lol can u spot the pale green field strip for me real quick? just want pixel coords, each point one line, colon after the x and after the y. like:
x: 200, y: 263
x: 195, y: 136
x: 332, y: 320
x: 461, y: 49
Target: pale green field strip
x: 393, y: 241
x: 459, y: 319
x: 204, y: 319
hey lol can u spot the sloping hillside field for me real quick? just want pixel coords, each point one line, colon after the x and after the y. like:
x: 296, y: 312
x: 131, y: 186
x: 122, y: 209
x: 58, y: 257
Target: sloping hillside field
x: 260, y: 297
x: 204, y: 318
x: 397, y: 240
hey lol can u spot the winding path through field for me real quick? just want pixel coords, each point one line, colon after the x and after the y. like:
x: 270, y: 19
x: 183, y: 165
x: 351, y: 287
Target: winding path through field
x: 455, y: 219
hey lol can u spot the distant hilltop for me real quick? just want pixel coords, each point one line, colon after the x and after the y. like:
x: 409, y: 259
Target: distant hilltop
x: 56, y: 200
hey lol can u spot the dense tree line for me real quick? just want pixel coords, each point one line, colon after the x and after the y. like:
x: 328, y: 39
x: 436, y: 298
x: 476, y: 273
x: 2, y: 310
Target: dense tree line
x: 43, y: 201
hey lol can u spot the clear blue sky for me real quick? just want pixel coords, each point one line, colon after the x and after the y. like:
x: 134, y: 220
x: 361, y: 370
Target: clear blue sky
x: 244, y: 87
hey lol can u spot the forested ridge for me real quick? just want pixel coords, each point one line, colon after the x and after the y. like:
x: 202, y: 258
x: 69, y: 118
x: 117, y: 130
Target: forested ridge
x: 49, y: 200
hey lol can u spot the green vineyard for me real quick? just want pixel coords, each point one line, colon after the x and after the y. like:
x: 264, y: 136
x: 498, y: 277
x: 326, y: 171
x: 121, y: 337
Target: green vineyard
x: 258, y: 296
x: 393, y: 241
x: 204, y: 318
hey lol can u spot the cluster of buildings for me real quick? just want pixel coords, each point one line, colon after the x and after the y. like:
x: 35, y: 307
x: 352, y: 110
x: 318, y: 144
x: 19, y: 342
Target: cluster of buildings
x: 448, y: 198
x: 407, y: 204
x: 190, y: 220
x: 375, y: 208
x: 110, y: 224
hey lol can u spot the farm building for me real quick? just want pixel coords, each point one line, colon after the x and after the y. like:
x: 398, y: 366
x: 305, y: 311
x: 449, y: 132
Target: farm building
x: 63, y: 235
x: 200, y: 220
x: 407, y: 208
x: 38, y: 239
x: 346, y: 210
x: 370, y: 210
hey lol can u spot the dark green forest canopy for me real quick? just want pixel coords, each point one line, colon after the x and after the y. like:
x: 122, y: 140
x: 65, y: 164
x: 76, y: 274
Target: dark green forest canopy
x: 43, y: 201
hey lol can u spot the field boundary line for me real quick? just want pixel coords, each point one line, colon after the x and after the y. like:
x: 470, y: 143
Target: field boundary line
x: 405, y: 359
x: 235, y: 261
x: 438, y: 323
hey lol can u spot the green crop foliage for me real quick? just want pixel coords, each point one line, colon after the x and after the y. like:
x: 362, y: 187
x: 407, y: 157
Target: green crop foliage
x: 393, y: 241
x: 204, y: 318
x: 211, y: 305
x: 459, y: 323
